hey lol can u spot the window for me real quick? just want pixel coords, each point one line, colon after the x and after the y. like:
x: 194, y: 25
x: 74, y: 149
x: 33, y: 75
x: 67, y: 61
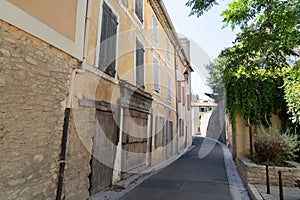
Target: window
x: 203, y: 109
x: 156, y: 75
x: 154, y: 29
x: 179, y: 91
x: 169, y: 137
x: 139, y: 64
x: 168, y: 49
x: 181, y: 127
x: 139, y: 9
x: 183, y: 96
x: 108, y: 41
x: 159, y: 132
x: 188, y: 99
x: 169, y: 88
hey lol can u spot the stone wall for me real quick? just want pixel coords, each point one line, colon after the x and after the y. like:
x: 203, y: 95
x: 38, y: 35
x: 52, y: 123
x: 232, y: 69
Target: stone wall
x: 256, y: 174
x: 79, y: 147
x: 34, y: 84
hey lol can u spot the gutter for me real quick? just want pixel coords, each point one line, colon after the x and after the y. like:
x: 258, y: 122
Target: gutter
x: 62, y: 161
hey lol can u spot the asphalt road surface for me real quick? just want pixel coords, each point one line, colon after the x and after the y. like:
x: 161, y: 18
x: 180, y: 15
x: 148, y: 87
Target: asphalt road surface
x: 193, y: 176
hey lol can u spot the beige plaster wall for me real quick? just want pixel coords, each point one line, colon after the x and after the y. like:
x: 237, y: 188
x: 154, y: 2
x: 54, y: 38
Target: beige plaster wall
x: 60, y: 15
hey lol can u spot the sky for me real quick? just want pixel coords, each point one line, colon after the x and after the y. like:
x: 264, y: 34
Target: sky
x: 206, y: 35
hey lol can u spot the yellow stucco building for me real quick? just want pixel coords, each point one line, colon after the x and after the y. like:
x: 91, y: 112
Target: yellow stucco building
x: 91, y: 93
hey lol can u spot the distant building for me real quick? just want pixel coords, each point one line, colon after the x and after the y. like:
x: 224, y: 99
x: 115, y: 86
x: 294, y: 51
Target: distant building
x: 201, y: 113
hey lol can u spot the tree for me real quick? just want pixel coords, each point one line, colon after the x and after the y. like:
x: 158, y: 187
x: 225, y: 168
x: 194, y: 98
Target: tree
x: 270, y: 30
x: 215, y: 79
x: 269, y: 37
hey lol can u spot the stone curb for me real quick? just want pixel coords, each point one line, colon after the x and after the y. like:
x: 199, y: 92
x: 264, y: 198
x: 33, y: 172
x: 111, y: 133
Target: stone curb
x: 254, y: 194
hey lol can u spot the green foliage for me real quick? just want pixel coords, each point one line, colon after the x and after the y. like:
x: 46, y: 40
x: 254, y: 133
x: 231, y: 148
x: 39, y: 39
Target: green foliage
x: 292, y: 92
x: 200, y: 6
x: 269, y: 36
x: 255, y: 93
x: 215, y: 79
x: 273, y: 147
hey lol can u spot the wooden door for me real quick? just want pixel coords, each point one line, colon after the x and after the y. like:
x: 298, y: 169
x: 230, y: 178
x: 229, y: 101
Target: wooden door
x: 104, y: 149
x: 134, y: 140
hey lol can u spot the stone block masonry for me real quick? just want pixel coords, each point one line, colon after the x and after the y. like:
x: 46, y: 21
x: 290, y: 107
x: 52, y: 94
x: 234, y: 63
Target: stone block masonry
x: 256, y: 174
x: 34, y: 81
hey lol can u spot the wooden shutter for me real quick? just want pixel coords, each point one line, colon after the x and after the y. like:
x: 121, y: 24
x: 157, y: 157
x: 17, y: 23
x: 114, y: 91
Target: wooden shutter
x: 167, y: 49
x: 183, y: 96
x: 139, y: 10
x: 108, y: 45
x: 188, y: 102
x: 157, y: 132
x: 169, y: 88
x: 156, y: 75
x: 182, y: 127
x: 139, y: 64
x: 154, y: 29
x: 179, y: 91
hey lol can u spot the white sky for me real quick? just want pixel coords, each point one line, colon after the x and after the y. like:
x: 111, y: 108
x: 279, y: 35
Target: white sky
x: 207, y: 37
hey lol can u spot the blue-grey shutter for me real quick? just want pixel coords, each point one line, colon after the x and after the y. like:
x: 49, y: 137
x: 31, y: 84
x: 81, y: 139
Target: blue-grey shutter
x: 169, y: 88
x: 156, y: 74
x: 139, y: 10
x: 154, y: 29
x: 139, y: 64
x: 107, y: 57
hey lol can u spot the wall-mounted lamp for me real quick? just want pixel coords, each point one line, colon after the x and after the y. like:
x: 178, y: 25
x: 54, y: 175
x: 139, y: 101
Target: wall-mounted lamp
x: 185, y: 75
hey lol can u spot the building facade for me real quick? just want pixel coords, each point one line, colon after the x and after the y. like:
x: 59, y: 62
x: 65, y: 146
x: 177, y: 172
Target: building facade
x: 201, y: 114
x: 89, y: 93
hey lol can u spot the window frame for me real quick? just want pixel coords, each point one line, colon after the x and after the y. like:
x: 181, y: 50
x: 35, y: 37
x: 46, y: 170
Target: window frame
x: 135, y: 63
x: 168, y: 53
x: 169, y: 80
x: 154, y: 75
x: 97, y: 56
x: 159, y: 137
x: 143, y: 11
x: 154, y: 33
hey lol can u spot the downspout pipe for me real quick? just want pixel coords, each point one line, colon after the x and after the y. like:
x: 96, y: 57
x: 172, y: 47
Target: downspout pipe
x: 176, y: 91
x: 67, y: 113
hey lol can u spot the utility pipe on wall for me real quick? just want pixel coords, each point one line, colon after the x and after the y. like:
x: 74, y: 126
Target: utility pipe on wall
x: 67, y: 113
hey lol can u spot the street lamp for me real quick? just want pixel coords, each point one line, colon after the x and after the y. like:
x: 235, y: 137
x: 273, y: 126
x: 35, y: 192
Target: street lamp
x: 185, y: 75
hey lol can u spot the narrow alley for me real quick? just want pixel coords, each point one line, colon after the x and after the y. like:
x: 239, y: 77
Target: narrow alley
x: 190, y: 177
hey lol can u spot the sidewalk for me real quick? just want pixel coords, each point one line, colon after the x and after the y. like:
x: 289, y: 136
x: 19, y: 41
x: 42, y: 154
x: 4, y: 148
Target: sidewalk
x: 259, y: 192
x: 184, y: 179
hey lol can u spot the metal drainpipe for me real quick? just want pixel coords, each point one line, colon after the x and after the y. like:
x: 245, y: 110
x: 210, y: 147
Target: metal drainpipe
x: 176, y: 91
x: 67, y: 113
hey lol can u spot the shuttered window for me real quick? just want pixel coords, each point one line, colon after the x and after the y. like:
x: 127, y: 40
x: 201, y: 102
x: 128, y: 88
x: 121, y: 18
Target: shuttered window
x: 108, y: 45
x: 179, y: 91
x: 181, y: 124
x: 159, y: 132
x: 139, y: 9
x: 183, y: 96
x: 156, y: 75
x: 169, y: 88
x: 188, y: 99
x: 168, y: 49
x: 154, y: 29
x: 139, y: 56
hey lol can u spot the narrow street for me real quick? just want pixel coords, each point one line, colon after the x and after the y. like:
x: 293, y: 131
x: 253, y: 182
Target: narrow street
x: 190, y: 177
